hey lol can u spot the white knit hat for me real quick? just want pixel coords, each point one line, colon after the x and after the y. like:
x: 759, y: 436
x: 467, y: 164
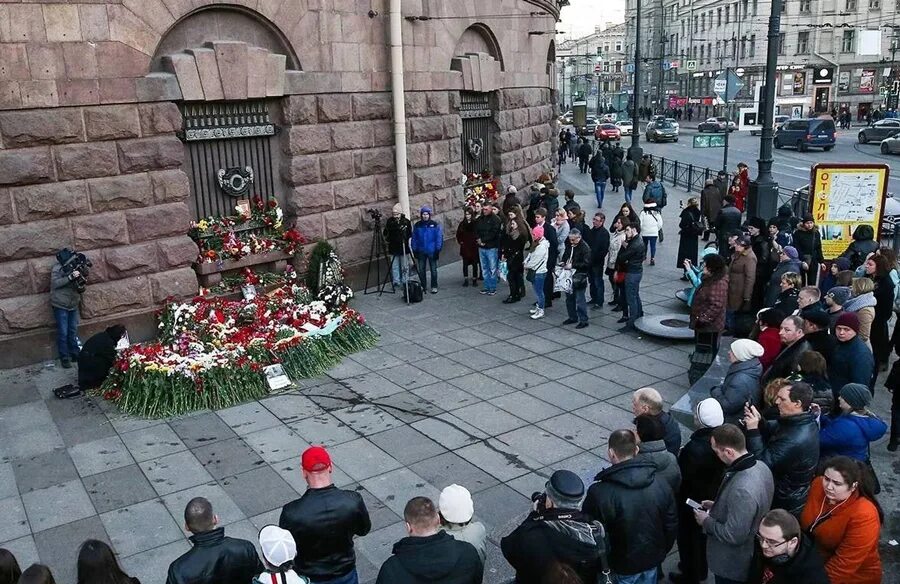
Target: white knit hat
x: 709, y: 413
x: 511, y: 189
x: 745, y: 349
x: 278, y: 545
x: 455, y: 504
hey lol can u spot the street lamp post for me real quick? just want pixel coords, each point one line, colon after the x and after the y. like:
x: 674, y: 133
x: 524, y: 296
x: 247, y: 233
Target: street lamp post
x: 635, y: 152
x: 764, y: 190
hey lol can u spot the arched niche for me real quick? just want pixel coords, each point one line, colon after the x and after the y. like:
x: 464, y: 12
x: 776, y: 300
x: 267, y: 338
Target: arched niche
x: 478, y: 57
x: 479, y: 38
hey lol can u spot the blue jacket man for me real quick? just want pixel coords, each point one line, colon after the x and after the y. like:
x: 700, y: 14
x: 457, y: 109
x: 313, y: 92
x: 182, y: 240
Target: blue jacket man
x: 427, y: 241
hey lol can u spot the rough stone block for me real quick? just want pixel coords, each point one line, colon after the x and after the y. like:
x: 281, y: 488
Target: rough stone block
x: 334, y: 108
x: 158, y: 87
x: 306, y: 139
x: 34, y: 239
x: 7, y: 215
x: 354, y: 249
x: 185, y: 68
x: 384, y: 132
x: 118, y: 90
x: 176, y: 284
x: 208, y: 68
x: 25, y: 24
x: 386, y: 187
x: 62, y: 23
x: 26, y: 166
x: 112, y: 122
x: 15, y: 279
x: 14, y: 61
x: 159, y: 118
x: 170, y: 186
x: 81, y: 60
x: 120, y: 192
x: 428, y: 179
x: 275, y: 67
x: 117, y: 296
x: 342, y: 222
x: 417, y: 155
x: 94, y: 22
x: 520, y: 118
x: 452, y: 126
x: 256, y: 72
x: 374, y: 161
x: 299, y: 109
x: 158, y: 221
x: 425, y: 129
x: 231, y: 58
x: 102, y: 230
x: 437, y: 103
x: 33, y: 128
x: 351, y: 135
x: 357, y: 191
x: 24, y: 313
x: 39, y: 94
x: 130, y: 260
x: 46, y: 61
x: 310, y: 199
x: 372, y: 106
x: 438, y: 153
x: 130, y: 29
x: 176, y: 252
x: 150, y: 153
x: 51, y: 200
x: 116, y: 60
x: 301, y: 170
x: 455, y: 150
x: 74, y: 92
x: 88, y: 160
x: 336, y: 166
x: 447, y: 200
x: 416, y: 104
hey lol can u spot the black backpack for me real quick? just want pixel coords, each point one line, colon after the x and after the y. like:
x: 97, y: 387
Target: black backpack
x: 414, y: 291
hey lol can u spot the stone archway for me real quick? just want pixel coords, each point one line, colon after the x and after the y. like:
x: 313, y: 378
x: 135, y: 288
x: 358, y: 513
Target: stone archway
x: 478, y: 57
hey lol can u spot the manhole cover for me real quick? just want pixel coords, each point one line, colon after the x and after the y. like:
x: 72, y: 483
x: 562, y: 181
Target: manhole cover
x: 674, y: 323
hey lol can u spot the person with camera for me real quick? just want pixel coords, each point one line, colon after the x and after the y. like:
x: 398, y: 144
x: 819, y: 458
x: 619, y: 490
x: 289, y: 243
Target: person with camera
x: 397, y: 234
x: 556, y: 532
x: 68, y: 279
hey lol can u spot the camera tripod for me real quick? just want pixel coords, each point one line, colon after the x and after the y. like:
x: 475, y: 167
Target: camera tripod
x: 377, y: 252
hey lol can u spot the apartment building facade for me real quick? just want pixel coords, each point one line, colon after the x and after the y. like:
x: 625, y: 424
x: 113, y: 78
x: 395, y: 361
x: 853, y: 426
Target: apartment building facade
x: 593, y: 68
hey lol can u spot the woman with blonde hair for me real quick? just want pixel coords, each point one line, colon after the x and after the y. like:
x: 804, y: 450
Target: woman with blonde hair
x: 787, y: 300
x: 862, y: 302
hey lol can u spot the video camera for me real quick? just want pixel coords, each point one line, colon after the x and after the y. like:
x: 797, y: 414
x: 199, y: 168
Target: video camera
x: 72, y: 262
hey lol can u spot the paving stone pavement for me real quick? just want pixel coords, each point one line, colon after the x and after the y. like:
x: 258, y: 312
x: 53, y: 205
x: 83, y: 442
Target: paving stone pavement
x: 460, y: 389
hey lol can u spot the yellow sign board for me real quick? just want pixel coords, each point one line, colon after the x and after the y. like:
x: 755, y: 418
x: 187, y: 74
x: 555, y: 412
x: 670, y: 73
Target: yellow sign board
x: 843, y: 197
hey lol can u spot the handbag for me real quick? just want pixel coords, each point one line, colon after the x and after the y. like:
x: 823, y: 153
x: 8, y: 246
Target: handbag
x: 529, y: 275
x: 619, y: 277
x: 660, y: 235
x: 562, y: 281
x: 503, y: 270
x: 579, y: 281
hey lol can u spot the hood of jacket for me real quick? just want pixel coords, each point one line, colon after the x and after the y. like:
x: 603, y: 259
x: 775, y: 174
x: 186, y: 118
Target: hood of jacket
x: 750, y: 366
x: 429, y: 558
x: 631, y: 474
x: 871, y: 427
x: 859, y: 302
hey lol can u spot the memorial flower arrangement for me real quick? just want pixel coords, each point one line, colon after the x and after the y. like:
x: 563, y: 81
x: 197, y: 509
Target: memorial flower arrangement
x: 255, y: 228
x: 211, y: 352
x: 481, y: 188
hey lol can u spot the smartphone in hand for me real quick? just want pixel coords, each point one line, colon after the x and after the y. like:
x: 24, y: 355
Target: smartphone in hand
x: 694, y: 505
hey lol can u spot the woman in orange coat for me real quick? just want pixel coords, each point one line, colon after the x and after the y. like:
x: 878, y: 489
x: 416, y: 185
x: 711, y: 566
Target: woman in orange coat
x: 844, y: 519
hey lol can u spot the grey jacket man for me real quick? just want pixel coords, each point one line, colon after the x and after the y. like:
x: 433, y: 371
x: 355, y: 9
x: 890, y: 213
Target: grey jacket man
x: 744, y: 496
x: 63, y: 293
x: 667, y: 467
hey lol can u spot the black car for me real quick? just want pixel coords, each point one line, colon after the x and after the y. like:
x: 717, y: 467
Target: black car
x: 806, y: 133
x: 879, y: 130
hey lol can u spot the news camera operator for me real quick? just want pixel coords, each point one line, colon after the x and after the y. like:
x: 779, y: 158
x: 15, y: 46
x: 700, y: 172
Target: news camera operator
x: 556, y: 532
x: 68, y: 280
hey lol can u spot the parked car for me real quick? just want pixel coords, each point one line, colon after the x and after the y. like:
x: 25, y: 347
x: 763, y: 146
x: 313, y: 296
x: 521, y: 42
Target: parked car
x: 716, y: 124
x: 879, y: 130
x: 661, y: 131
x: 567, y: 118
x: 673, y: 122
x: 607, y: 132
x: 590, y: 126
x: 609, y: 118
x: 779, y: 120
x: 625, y: 127
x: 806, y: 133
x: 891, y: 144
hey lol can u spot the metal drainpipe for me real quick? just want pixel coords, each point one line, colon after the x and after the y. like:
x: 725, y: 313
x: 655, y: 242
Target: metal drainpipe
x: 399, y: 109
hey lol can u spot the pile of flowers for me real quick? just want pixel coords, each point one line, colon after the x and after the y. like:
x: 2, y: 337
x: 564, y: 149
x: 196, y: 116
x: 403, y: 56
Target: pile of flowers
x: 481, y: 188
x: 233, y: 282
x: 258, y: 228
x: 211, y: 351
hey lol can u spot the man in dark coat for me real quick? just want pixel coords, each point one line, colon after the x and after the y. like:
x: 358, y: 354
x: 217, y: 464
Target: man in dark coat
x: 577, y: 256
x: 793, y: 345
x: 397, y: 234
x: 97, y: 357
x: 788, y: 446
x: 214, y: 559
x: 648, y: 401
x: 584, y: 155
x: 430, y: 555
x: 599, y: 241
x: 728, y: 221
x: 710, y: 204
x: 852, y: 361
x: 600, y: 175
x: 637, y: 509
x: 808, y: 244
x: 631, y: 260
x: 722, y: 184
x: 784, y: 554
x: 815, y: 332
x: 511, y: 199
x: 555, y: 532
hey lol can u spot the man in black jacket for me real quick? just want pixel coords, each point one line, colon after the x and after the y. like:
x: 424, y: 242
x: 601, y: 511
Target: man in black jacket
x: 647, y: 401
x: 784, y: 554
x: 577, y: 256
x: 789, y: 446
x: 599, y: 242
x: 793, y: 345
x: 555, y: 532
x: 808, y: 243
x: 323, y: 522
x: 430, y: 555
x: 214, y: 559
x: 637, y: 509
x: 540, y: 218
x: 631, y: 259
x: 397, y: 233
x: 815, y: 332
x: 97, y: 357
x: 728, y: 221
x: 488, y: 229
x: 600, y: 175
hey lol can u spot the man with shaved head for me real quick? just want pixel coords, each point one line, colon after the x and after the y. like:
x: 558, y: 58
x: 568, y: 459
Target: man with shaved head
x: 648, y: 401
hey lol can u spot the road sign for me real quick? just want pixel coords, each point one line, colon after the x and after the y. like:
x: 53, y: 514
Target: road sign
x: 713, y: 141
x: 727, y: 85
x: 666, y: 65
x: 629, y: 67
x: 597, y: 68
x: 691, y: 65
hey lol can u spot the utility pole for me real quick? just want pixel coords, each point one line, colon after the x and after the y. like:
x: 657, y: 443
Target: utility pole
x: 728, y: 106
x: 662, y: 65
x: 635, y: 152
x: 764, y: 190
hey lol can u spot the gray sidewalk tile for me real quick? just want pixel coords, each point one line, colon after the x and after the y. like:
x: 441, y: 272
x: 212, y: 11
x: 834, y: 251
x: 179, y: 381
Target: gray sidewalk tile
x: 443, y: 367
x: 500, y: 460
x: 57, y: 505
x: 26, y: 430
x: 406, y: 445
x: 24, y: 549
x: 536, y: 343
x: 376, y: 359
x: 502, y: 331
x: 470, y: 336
x: 101, y: 455
x: 586, y: 465
x: 267, y: 518
x: 361, y: 459
x: 276, y: 444
x: 43, y: 470
x: 118, y: 488
x: 378, y: 545
x: 247, y: 418
x: 607, y: 415
x: 224, y: 508
x: 515, y: 377
x: 576, y: 430
x: 496, y: 568
x: 576, y: 359
x: 347, y: 368
x: 398, y: 486
x: 372, y: 385
x: 594, y: 385
x: 324, y: 430
x: 489, y: 418
x: 367, y: 419
x: 555, y: 393
x: 13, y: 519
x: 152, y: 442
x: 659, y: 369
x: 58, y: 547
x: 153, y: 564
x: 258, y: 490
x: 8, y: 486
x: 501, y: 509
x: 18, y: 394
x: 529, y: 483
x: 439, y: 344
x: 545, y: 367
x: 408, y: 407
x: 449, y: 431
x: 445, y: 396
x: 175, y: 472
x: 227, y: 458
x: 332, y: 396
x: 408, y: 376
x: 123, y: 423
x: 477, y: 358
x: 483, y: 386
x: 290, y: 407
x: 408, y: 350
x: 379, y: 513
x: 525, y: 406
x: 449, y: 468
x: 201, y: 429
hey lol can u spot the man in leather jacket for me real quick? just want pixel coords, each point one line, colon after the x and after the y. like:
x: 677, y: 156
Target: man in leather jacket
x: 577, y: 256
x: 323, y: 522
x: 631, y: 261
x: 555, y: 532
x: 214, y: 559
x: 789, y: 446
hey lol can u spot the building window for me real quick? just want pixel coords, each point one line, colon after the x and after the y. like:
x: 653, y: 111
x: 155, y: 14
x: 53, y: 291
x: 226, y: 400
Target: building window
x: 728, y: 14
x: 805, y: 6
x: 702, y: 52
x: 752, y: 45
x: 746, y: 8
x: 803, y: 42
x: 703, y: 21
x: 875, y: 4
x: 733, y: 49
x: 719, y: 17
x: 847, y: 41
x: 743, y: 47
x: 708, y: 52
x: 606, y: 66
x: 718, y: 49
x: 851, y: 5
x: 599, y: 52
x: 618, y: 66
x: 618, y: 46
x: 781, y: 44
x: 755, y: 7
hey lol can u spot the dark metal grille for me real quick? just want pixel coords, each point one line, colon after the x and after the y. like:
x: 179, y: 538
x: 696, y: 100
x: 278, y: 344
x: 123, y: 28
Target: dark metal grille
x: 477, y: 122
x: 222, y: 136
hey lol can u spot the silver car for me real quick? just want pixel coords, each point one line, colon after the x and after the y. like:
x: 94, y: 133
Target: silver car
x: 891, y: 144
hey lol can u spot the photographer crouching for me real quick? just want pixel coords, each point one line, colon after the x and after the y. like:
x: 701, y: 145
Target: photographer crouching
x: 557, y: 535
x: 68, y: 279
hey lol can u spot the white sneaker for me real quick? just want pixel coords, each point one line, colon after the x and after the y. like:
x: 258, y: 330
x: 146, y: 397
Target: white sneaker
x: 538, y: 314
x: 533, y: 309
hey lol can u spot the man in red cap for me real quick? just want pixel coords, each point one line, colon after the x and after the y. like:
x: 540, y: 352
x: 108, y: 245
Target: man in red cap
x: 323, y: 522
